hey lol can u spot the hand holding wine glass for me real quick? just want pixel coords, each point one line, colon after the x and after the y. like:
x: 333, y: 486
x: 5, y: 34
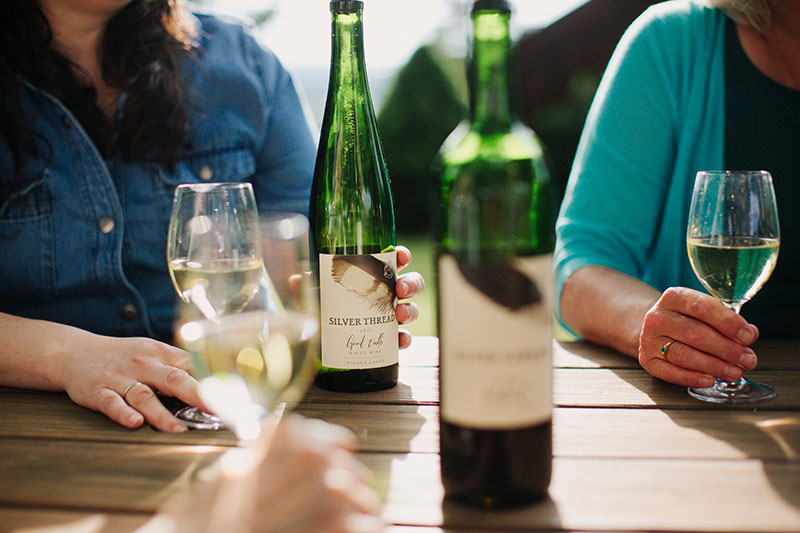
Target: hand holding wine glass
x: 733, y: 238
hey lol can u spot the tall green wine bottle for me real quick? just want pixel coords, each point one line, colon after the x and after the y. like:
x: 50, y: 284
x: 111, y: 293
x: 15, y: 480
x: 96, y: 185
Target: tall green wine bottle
x: 494, y: 263
x: 352, y: 219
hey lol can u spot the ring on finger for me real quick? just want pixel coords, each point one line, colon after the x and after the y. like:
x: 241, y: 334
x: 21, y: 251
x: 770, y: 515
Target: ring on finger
x: 128, y: 389
x: 665, y: 349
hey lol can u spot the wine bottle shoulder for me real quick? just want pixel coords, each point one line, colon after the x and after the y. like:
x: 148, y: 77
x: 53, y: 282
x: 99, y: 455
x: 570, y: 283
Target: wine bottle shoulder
x: 465, y: 145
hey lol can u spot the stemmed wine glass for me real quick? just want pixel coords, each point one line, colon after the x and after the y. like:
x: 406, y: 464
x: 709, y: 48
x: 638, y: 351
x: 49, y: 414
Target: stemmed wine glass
x: 214, y: 258
x: 733, y: 239
x: 257, y: 362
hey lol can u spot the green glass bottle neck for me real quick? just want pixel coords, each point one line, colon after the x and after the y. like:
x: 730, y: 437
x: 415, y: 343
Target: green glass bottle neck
x: 489, y: 72
x: 348, y: 68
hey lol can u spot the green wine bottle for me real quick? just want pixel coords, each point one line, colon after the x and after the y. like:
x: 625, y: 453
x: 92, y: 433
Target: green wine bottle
x: 494, y: 261
x: 352, y: 224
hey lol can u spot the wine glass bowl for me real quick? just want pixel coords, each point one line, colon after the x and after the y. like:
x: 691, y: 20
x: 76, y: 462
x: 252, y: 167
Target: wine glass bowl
x: 213, y: 246
x: 733, y: 238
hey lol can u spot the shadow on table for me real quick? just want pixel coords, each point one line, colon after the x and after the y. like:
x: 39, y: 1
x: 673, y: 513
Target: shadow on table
x: 459, y: 517
x: 770, y: 434
x: 773, y: 437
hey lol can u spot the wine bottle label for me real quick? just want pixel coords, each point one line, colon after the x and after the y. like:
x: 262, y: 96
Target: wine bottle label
x: 495, y: 323
x: 357, y: 302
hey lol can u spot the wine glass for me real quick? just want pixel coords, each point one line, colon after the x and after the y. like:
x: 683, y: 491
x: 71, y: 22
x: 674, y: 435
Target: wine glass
x: 258, y: 362
x: 733, y: 239
x: 214, y: 258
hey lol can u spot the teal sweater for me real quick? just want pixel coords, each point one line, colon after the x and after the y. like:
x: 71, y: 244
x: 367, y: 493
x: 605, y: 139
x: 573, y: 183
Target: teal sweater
x: 657, y: 118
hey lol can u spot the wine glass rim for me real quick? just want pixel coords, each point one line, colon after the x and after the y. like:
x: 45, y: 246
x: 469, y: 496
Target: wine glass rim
x: 733, y: 173
x: 205, y: 187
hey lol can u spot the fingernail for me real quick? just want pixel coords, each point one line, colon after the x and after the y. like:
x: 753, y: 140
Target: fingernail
x: 733, y: 372
x: 745, y: 336
x: 747, y: 360
x: 402, y: 287
x: 706, y: 381
x: 179, y: 428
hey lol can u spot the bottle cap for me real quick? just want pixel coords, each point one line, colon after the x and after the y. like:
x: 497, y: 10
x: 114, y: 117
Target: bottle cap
x: 491, y: 5
x: 347, y: 6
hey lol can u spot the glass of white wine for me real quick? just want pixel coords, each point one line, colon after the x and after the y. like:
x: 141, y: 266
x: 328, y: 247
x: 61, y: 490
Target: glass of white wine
x: 214, y: 258
x: 257, y: 362
x: 733, y: 238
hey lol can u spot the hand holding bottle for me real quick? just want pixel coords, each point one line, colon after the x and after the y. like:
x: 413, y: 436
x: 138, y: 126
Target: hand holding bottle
x: 408, y: 286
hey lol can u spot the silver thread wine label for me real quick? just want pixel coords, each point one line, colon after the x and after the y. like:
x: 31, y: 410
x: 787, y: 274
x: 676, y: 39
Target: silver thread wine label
x: 496, y: 322
x: 357, y: 302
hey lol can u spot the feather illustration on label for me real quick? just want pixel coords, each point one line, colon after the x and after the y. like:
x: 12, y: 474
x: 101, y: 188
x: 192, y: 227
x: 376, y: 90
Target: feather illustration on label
x: 368, y: 277
x: 502, y: 283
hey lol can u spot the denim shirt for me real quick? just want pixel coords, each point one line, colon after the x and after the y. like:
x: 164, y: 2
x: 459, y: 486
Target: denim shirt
x: 84, y: 242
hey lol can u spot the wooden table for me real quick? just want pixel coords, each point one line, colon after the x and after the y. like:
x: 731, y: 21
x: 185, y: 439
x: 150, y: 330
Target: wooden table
x: 631, y: 454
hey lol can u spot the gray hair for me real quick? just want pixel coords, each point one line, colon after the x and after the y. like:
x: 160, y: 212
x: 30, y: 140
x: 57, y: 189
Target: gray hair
x: 755, y: 13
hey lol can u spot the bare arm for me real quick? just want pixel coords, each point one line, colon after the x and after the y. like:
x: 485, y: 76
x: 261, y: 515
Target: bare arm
x: 96, y: 371
x: 607, y: 307
x: 708, y: 340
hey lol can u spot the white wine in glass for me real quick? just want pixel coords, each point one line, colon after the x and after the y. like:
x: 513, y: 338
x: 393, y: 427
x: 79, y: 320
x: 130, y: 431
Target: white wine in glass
x: 252, y: 362
x: 214, y: 258
x: 733, y: 238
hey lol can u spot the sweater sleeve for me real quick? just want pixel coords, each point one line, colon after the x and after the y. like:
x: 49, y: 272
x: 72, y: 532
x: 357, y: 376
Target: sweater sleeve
x: 622, y: 169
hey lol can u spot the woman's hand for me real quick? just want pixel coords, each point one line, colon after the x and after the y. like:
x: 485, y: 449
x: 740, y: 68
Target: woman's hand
x: 701, y: 339
x: 408, y: 286
x: 119, y: 377
x: 305, y: 479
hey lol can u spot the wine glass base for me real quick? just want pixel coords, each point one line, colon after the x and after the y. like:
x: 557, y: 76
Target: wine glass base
x: 744, y: 391
x: 198, y: 419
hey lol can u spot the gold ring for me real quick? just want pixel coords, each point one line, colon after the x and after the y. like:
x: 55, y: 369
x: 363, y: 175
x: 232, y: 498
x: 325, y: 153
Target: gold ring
x: 128, y: 388
x: 665, y: 349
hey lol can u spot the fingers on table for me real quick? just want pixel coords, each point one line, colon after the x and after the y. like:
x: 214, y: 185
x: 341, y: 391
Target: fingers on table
x: 111, y: 404
x: 142, y: 398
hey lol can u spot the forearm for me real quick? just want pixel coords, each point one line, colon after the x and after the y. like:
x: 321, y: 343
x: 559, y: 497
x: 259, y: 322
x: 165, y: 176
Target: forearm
x: 31, y: 354
x: 605, y: 306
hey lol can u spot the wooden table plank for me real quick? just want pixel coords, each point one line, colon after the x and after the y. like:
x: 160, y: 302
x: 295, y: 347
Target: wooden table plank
x: 52, y: 415
x: 609, y: 494
x: 635, y: 388
x: 416, y: 386
x: 99, y: 476
x: 675, y: 434
x: 714, y: 433
x: 16, y: 519
x: 384, y: 428
x: 614, y: 494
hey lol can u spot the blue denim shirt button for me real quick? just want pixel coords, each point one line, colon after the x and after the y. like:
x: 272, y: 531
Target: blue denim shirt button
x: 206, y: 173
x: 130, y: 313
x: 106, y: 224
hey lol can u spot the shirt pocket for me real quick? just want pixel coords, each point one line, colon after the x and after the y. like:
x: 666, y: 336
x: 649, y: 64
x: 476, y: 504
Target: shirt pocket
x: 204, y: 166
x: 27, y: 254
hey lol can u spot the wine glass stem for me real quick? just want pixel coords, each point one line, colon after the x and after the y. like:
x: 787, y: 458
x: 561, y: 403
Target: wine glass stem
x: 721, y: 384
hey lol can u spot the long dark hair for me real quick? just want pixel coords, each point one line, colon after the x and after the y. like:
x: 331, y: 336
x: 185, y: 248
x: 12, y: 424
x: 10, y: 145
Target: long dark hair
x: 139, y: 54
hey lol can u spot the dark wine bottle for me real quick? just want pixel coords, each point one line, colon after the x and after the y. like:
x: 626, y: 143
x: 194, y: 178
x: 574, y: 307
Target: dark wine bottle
x: 352, y: 224
x: 494, y: 261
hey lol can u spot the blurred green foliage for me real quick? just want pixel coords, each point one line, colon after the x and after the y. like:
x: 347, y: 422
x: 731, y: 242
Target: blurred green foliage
x: 423, y: 106
x: 559, y: 124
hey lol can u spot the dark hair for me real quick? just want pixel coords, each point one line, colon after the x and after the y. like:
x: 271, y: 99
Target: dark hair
x: 139, y: 54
